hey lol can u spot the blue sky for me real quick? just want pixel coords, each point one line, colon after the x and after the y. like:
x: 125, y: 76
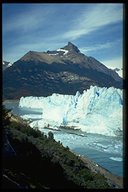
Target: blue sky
x: 95, y: 28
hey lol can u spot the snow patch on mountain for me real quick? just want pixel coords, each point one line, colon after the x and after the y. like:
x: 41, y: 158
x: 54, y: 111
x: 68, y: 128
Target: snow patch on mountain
x: 53, y: 53
x: 63, y: 50
x: 119, y: 71
x: 10, y: 64
x: 6, y: 64
x: 97, y: 110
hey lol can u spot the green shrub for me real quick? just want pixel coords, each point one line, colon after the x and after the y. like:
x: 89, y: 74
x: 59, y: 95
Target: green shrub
x: 50, y: 135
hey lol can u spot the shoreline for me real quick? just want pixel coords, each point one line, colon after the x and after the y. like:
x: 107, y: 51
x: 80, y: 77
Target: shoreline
x: 113, y: 180
x: 10, y: 100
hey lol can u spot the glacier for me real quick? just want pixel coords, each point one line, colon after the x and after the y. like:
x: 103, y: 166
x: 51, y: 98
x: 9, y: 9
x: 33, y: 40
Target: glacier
x: 96, y: 110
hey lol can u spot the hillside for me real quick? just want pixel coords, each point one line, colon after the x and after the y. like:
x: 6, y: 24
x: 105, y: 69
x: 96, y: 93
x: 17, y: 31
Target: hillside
x: 65, y: 71
x: 34, y: 160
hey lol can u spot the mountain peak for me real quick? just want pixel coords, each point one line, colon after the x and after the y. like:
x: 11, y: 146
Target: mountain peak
x: 71, y: 47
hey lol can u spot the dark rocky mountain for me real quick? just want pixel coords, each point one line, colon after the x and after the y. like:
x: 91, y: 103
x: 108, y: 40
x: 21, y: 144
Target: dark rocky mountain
x: 65, y: 71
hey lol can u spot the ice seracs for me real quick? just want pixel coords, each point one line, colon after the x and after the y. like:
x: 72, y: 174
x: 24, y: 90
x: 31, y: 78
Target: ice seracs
x: 97, y: 110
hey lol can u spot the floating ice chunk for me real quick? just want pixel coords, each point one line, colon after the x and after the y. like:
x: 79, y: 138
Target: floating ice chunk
x: 116, y: 158
x: 31, y: 116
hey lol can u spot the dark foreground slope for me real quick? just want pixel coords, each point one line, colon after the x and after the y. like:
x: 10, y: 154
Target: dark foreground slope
x: 33, y: 160
x: 63, y: 71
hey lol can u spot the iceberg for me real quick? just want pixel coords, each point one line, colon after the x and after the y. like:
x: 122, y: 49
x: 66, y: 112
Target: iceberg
x: 96, y: 110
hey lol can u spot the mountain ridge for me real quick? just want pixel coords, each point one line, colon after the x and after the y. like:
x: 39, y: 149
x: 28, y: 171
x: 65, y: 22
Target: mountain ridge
x: 65, y: 70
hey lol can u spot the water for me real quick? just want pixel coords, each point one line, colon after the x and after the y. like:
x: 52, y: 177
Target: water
x: 104, y: 150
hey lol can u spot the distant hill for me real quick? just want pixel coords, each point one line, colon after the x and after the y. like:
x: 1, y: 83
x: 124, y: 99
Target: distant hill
x: 65, y: 71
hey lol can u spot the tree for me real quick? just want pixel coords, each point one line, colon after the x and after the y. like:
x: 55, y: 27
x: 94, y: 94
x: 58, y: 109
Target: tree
x: 50, y: 135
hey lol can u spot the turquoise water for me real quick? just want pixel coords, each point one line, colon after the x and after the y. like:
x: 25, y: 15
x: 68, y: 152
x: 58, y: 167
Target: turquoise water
x: 104, y: 150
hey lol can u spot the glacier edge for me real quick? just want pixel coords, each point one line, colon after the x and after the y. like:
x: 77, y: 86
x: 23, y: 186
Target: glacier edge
x: 96, y: 110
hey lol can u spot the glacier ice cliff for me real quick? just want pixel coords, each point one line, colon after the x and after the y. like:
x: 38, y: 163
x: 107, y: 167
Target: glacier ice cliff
x: 96, y: 110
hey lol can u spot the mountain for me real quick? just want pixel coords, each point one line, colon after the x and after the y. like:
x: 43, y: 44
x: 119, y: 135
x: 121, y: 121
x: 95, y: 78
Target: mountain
x: 6, y: 64
x: 65, y: 71
x: 84, y: 111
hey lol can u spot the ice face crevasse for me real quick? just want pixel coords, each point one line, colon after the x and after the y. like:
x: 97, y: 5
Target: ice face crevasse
x: 97, y: 110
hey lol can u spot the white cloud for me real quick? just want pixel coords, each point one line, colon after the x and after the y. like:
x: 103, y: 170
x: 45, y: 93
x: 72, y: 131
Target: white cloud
x: 100, y: 46
x: 96, y: 47
x: 94, y: 18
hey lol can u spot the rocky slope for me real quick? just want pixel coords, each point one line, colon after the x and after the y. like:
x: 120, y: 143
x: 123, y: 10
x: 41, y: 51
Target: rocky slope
x: 65, y: 71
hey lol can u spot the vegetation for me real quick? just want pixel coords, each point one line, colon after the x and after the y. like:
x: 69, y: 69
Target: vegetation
x: 34, y: 160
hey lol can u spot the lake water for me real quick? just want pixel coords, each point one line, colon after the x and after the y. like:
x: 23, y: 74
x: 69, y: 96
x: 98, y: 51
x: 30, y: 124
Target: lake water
x: 107, y: 151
